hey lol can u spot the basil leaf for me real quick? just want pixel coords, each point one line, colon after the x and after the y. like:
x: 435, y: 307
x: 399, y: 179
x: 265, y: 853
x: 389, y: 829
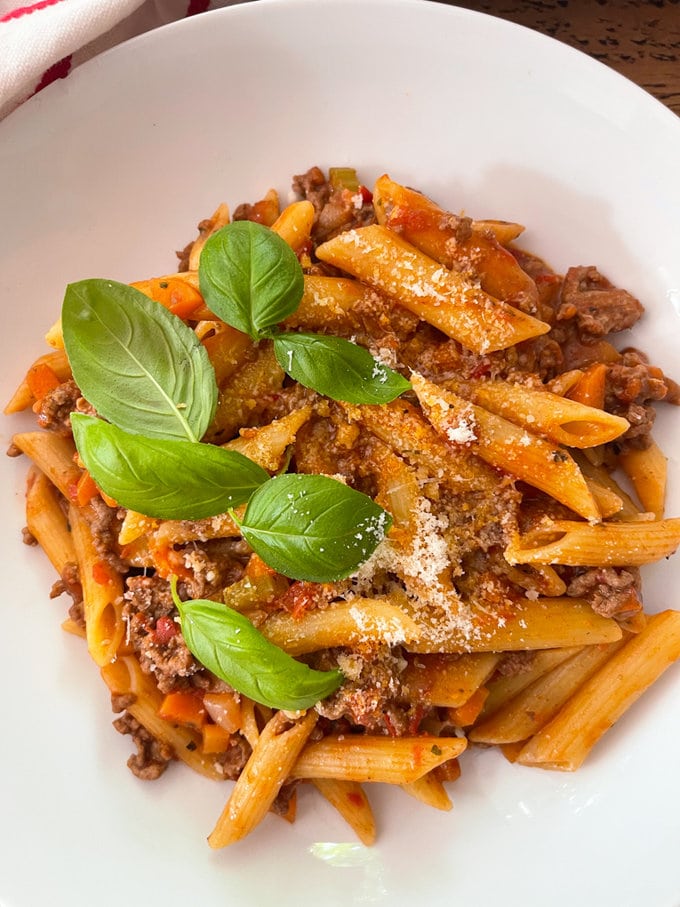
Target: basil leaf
x: 337, y: 368
x: 227, y: 644
x: 140, y: 366
x: 313, y: 527
x: 250, y: 277
x: 171, y: 480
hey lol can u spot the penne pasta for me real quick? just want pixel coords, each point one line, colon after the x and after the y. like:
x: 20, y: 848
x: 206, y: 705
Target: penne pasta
x: 358, y: 621
x: 394, y: 573
x: 443, y: 298
x: 538, y: 703
x: 565, y: 742
x: 392, y: 760
x: 473, y: 248
x: 47, y: 522
x: 503, y: 444
x: 350, y: 800
x: 102, y: 593
x: 647, y: 470
x: 607, y: 544
x: 561, y: 419
x: 272, y: 759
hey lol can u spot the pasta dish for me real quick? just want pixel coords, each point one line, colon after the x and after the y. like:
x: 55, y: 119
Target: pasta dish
x: 358, y: 486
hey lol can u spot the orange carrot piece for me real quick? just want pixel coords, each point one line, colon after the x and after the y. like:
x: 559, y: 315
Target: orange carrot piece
x: 41, y: 379
x: 590, y: 387
x: 215, y: 739
x: 185, y: 708
x: 467, y: 713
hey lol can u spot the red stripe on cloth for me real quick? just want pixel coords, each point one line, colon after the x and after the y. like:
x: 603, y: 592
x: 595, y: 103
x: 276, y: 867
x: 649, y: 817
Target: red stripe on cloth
x: 197, y: 6
x: 58, y: 70
x: 25, y: 10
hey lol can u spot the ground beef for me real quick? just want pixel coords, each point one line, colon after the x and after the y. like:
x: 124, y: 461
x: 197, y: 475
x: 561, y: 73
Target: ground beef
x: 233, y: 760
x: 281, y: 804
x: 611, y: 591
x: 152, y: 756
x: 514, y: 663
x: 69, y: 582
x: 597, y: 305
x: 214, y: 564
x: 54, y: 412
x: 372, y: 695
x: 336, y: 209
x: 632, y: 386
x: 155, y: 637
x: 105, y: 523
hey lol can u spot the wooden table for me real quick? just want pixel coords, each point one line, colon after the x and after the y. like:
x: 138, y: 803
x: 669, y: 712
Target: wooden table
x: 641, y: 40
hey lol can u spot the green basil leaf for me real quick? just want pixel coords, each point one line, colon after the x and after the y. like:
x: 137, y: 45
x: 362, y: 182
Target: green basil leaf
x: 250, y: 277
x: 313, y: 527
x: 227, y: 644
x: 337, y: 368
x: 140, y: 366
x: 171, y: 480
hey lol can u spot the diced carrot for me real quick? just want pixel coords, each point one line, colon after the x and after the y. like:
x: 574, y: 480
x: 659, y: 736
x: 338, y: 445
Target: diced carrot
x: 185, y: 708
x: 257, y: 567
x: 467, y: 713
x: 590, y: 387
x: 86, y: 489
x: 215, y: 738
x: 41, y: 379
x: 177, y: 295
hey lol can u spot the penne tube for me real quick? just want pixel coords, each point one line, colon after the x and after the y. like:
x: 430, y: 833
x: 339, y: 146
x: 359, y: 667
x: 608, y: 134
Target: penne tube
x: 615, y: 544
x: 220, y: 218
x: 447, y: 680
x: 350, y: 800
x: 507, y: 446
x: 455, y: 242
x: 46, y: 520
x: 327, y: 303
x: 24, y: 396
x: 507, y: 686
x: 294, y: 224
x: 178, y: 532
x: 243, y: 393
x: 124, y: 675
x: 562, y: 420
x: 364, y: 758
x: 267, y: 445
x: 598, y: 478
x: 360, y: 620
x: 544, y: 623
x: 443, y: 298
x: 536, y: 705
x: 227, y: 349
x: 429, y: 790
x: 102, y: 593
x: 269, y: 766
x: 647, y: 470
x: 565, y: 742
x: 54, y: 455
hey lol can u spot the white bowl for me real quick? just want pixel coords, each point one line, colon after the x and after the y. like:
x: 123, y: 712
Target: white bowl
x: 106, y: 174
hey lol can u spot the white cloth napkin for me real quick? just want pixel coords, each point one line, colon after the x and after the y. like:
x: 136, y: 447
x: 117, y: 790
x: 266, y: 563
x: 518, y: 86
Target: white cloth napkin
x: 44, y: 40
